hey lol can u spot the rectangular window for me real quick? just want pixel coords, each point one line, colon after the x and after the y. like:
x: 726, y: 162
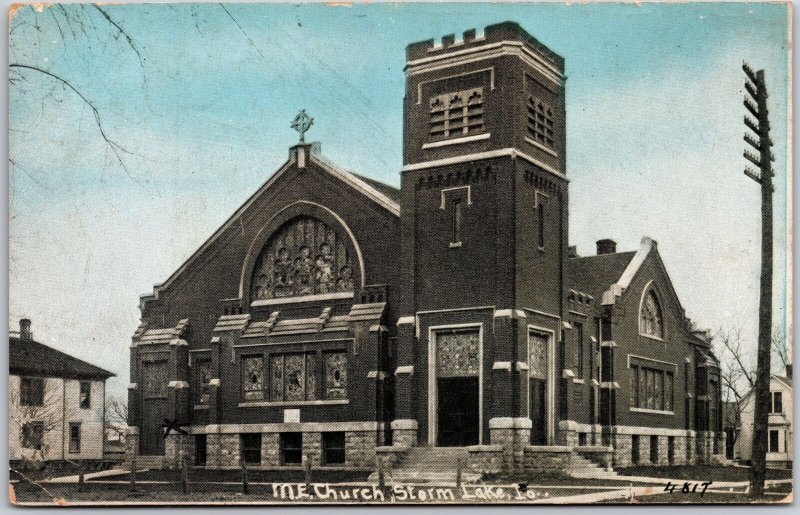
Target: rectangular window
x: 457, y: 214
x: 658, y: 389
x: 635, y: 449
x: 86, y: 395
x: 251, y: 448
x: 541, y: 122
x: 200, y: 450
x: 653, y: 449
x: 201, y: 370
x: 457, y: 114
x: 294, y: 377
x: 633, y: 386
x: 32, y: 434
x: 777, y: 402
x: 333, y: 448
x: 335, y: 364
x: 74, y: 437
x: 291, y: 448
x: 31, y: 391
x: 540, y: 224
x: 581, y: 439
x: 579, y: 364
x: 668, y: 391
x: 253, y: 378
x: 774, y: 441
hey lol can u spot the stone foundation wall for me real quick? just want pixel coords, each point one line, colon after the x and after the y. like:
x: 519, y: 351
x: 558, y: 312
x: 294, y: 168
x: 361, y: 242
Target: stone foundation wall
x: 177, y: 448
x: 485, y: 459
x: 546, y: 460
x: 404, y: 433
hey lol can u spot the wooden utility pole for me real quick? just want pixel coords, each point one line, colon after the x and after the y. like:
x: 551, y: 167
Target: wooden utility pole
x: 756, y: 104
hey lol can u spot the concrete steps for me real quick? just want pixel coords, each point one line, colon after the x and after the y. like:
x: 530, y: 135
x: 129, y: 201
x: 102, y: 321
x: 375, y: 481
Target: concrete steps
x: 583, y: 468
x: 430, y: 465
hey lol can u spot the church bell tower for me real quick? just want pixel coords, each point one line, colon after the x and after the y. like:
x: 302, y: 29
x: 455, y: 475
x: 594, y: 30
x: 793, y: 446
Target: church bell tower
x: 484, y: 203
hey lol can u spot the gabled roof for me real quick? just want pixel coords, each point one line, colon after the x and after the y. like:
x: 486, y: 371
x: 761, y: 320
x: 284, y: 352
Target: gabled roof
x: 384, y: 195
x: 595, y: 274
x: 29, y: 357
x: 784, y: 380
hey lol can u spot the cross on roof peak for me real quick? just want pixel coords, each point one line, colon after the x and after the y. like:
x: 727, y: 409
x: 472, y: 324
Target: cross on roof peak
x: 301, y: 123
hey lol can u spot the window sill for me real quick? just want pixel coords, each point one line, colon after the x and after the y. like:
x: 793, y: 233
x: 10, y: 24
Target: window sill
x: 304, y: 298
x: 261, y: 404
x: 455, y: 245
x: 651, y: 337
x: 541, y: 147
x: 652, y: 411
x: 456, y: 141
x: 201, y: 406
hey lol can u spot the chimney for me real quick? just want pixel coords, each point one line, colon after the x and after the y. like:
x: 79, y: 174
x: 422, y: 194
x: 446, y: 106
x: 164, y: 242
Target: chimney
x: 606, y: 247
x: 25, y: 329
x: 789, y: 370
x: 572, y: 251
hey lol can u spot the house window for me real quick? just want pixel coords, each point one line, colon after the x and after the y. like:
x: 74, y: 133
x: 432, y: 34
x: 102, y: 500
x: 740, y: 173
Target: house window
x: 650, y: 319
x: 291, y: 448
x: 86, y: 395
x: 333, y: 448
x: 651, y: 388
x: 540, y: 222
x: 457, y: 220
x: 777, y: 402
x: 200, y: 450
x: 774, y: 441
x: 32, y: 434
x: 541, y: 122
x: 335, y: 375
x: 31, y: 391
x: 75, y: 437
x: 202, y: 377
x: 251, y: 448
x: 456, y: 114
x: 253, y: 378
x: 293, y: 377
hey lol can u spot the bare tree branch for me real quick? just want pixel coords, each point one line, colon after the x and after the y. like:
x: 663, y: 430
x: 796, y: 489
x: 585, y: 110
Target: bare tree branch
x: 122, y: 32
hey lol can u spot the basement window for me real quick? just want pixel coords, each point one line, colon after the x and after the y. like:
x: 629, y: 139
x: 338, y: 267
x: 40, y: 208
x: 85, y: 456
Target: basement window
x: 291, y: 448
x: 333, y: 448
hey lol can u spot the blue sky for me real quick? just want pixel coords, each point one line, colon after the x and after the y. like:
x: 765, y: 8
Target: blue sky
x: 654, y: 138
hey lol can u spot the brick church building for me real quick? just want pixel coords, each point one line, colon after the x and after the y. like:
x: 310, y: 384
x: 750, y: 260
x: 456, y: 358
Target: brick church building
x: 338, y: 319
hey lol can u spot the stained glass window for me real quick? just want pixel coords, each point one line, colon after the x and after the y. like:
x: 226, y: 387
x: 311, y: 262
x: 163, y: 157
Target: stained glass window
x: 155, y: 380
x: 457, y: 354
x: 537, y: 348
x: 335, y: 375
x: 253, y: 378
x: 650, y: 320
x: 303, y: 257
x: 293, y: 377
x: 202, y: 376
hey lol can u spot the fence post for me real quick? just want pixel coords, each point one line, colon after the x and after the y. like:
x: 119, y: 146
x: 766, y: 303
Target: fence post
x: 133, y: 472
x: 245, y: 485
x: 185, y: 475
x: 458, y: 474
x: 381, y: 478
x: 81, y: 484
x: 308, y: 472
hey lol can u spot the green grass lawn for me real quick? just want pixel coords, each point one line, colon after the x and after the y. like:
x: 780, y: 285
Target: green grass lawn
x: 701, y: 472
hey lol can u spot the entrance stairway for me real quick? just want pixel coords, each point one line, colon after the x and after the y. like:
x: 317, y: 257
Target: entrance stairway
x: 429, y: 465
x: 583, y: 468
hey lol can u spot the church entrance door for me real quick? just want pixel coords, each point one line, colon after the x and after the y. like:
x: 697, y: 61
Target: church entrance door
x: 538, y: 346
x: 457, y: 387
x: 154, y: 409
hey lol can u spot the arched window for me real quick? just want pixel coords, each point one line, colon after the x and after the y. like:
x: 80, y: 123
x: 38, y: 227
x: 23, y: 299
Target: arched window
x: 304, y: 257
x: 651, y: 322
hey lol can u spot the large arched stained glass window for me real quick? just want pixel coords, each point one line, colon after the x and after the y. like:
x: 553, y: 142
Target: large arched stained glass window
x: 651, y: 321
x: 304, y: 257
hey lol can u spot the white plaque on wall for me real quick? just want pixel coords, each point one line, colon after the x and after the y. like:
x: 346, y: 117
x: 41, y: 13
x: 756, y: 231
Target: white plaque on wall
x: 291, y: 415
